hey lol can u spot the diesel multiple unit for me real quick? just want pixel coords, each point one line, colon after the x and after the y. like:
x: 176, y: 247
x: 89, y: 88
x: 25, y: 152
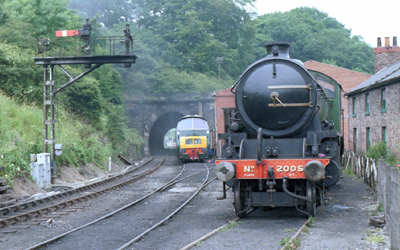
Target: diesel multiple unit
x: 193, y: 138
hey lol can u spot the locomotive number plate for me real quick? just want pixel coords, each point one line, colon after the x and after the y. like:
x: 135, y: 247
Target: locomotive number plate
x: 251, y: 169
x: 287, y: 168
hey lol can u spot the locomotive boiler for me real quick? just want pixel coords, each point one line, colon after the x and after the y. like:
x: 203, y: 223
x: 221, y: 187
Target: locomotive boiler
x: 282, y: 148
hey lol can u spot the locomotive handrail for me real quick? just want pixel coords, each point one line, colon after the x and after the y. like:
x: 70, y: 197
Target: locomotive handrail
x: 308, y: 86
x: 310, y: 105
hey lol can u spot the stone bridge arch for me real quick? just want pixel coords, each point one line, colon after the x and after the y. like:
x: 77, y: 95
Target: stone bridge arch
x: 157, y: 132
x: 152, y: 116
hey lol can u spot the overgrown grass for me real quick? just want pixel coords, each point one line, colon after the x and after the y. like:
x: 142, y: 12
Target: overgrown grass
x: 378, y: 208
x: 376, y: 236
x: 294, y: 244
x: 228, y: 227
x: 310, y: 221
x: 381, y: 150
x: 21, y: 134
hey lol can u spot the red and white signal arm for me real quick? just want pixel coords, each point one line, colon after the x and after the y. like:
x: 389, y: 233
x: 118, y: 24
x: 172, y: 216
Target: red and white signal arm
x: 62, y: 33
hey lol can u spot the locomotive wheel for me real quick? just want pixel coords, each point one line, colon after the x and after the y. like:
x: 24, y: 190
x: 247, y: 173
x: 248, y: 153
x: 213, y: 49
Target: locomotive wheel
x: 333, y: 171
x: 239, y: 199
x: 311, y: 195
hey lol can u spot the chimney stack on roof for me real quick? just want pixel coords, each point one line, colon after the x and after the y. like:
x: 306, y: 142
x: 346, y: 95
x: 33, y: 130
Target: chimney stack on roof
x: 386, y: 56
x: 387, y: 43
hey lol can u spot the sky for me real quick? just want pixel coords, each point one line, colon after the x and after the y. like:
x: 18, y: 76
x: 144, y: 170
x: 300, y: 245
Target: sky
x: 368, y: 19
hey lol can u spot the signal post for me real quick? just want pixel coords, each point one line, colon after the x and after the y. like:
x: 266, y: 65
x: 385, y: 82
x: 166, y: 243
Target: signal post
x: 52, y: 50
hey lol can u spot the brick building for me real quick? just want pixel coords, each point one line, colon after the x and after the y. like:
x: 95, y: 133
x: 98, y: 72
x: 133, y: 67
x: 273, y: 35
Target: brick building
x: 374, y: 106
x: 348, y: 79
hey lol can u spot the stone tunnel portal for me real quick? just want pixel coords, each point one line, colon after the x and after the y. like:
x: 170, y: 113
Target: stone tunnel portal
x: 157, y: 132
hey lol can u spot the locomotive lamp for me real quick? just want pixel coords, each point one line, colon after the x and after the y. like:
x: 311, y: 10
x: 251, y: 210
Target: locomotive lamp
x: 314, y: 170
x: 224, y: 171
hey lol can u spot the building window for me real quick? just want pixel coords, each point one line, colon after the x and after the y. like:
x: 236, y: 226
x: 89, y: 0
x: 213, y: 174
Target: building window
x: 354, y: 107
x: 355, y: 140
x: 384, y: 134
x: 367, y: 104
x: 368, y: 139
x: 383, y: 100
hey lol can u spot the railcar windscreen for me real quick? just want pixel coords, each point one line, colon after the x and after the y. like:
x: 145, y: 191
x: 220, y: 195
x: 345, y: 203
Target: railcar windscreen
x: 192, y: 123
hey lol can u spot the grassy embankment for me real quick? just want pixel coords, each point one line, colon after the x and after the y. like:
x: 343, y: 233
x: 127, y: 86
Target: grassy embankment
x: 21, y: 134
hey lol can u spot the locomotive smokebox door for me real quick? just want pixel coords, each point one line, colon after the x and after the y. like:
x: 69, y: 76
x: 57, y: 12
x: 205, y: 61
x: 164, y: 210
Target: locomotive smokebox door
x: 277, y: 95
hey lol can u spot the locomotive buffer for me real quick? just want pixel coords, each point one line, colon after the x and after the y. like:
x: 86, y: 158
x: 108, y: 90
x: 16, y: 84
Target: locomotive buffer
x: 86, y: 56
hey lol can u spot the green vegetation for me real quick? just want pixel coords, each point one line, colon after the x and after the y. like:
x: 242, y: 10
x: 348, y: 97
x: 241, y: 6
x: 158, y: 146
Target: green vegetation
x: 378, y: 208
x: 290, y: 245
x: 177, y: 43
x: 229, y: 227
x: 381, y: 150
x: 21, y: 128
x: 289, y: 230
x: 91, y: 118
x: 310, y: 221
x: 314, y: 35
x: 376, y: 236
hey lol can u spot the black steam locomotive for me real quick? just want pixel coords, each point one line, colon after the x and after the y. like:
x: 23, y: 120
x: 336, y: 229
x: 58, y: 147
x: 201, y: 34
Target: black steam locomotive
x: 281, y: 148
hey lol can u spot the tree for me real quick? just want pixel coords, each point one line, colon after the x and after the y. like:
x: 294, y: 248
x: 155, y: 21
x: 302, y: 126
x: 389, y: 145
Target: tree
x: 108, y: 12
x: 39, y: 18
x: 193, y: 33
x: 314, y: 35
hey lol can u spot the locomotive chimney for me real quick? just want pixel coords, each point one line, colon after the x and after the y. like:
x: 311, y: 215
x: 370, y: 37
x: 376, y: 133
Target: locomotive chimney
x: 280, y: 49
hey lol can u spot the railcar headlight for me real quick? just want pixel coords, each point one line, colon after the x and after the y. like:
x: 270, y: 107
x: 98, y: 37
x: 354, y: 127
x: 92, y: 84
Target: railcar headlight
x: 225, y: 171
x: 314, y: 170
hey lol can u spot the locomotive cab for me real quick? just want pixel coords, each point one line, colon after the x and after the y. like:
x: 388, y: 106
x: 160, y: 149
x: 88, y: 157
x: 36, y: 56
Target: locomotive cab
x: 192, y: 138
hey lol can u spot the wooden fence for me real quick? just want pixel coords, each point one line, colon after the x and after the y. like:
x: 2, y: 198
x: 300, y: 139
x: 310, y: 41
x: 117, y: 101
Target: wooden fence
x: 363, y: 167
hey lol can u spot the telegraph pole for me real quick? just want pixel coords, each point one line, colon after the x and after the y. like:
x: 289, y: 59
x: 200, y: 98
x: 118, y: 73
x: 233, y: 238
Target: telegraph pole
x: 219, y: 60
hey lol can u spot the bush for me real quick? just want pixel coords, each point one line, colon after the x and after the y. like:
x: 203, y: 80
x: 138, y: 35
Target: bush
x: 381, y: 150
x: 21, y: 134
x: 377, y: 151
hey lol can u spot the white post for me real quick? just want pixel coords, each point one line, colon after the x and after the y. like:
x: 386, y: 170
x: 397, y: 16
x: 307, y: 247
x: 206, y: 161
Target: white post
x: 109, y: 164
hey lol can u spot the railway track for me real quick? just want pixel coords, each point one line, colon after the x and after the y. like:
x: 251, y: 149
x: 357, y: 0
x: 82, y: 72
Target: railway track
x: 206, y: 236
x: 140, y: 235
x: 21, y: 212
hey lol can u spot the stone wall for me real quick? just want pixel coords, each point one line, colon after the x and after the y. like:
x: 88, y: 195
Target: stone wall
x: 376, y: 119
x: 388, y: 191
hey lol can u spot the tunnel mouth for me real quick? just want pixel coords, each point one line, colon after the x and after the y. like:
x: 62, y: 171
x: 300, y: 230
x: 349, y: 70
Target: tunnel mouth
x: 157, y: 132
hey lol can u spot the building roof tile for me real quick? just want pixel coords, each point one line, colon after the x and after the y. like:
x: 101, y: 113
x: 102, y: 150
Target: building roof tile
x: 347, y: 78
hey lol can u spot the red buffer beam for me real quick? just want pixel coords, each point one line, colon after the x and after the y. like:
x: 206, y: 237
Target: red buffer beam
x: 62, y: 33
